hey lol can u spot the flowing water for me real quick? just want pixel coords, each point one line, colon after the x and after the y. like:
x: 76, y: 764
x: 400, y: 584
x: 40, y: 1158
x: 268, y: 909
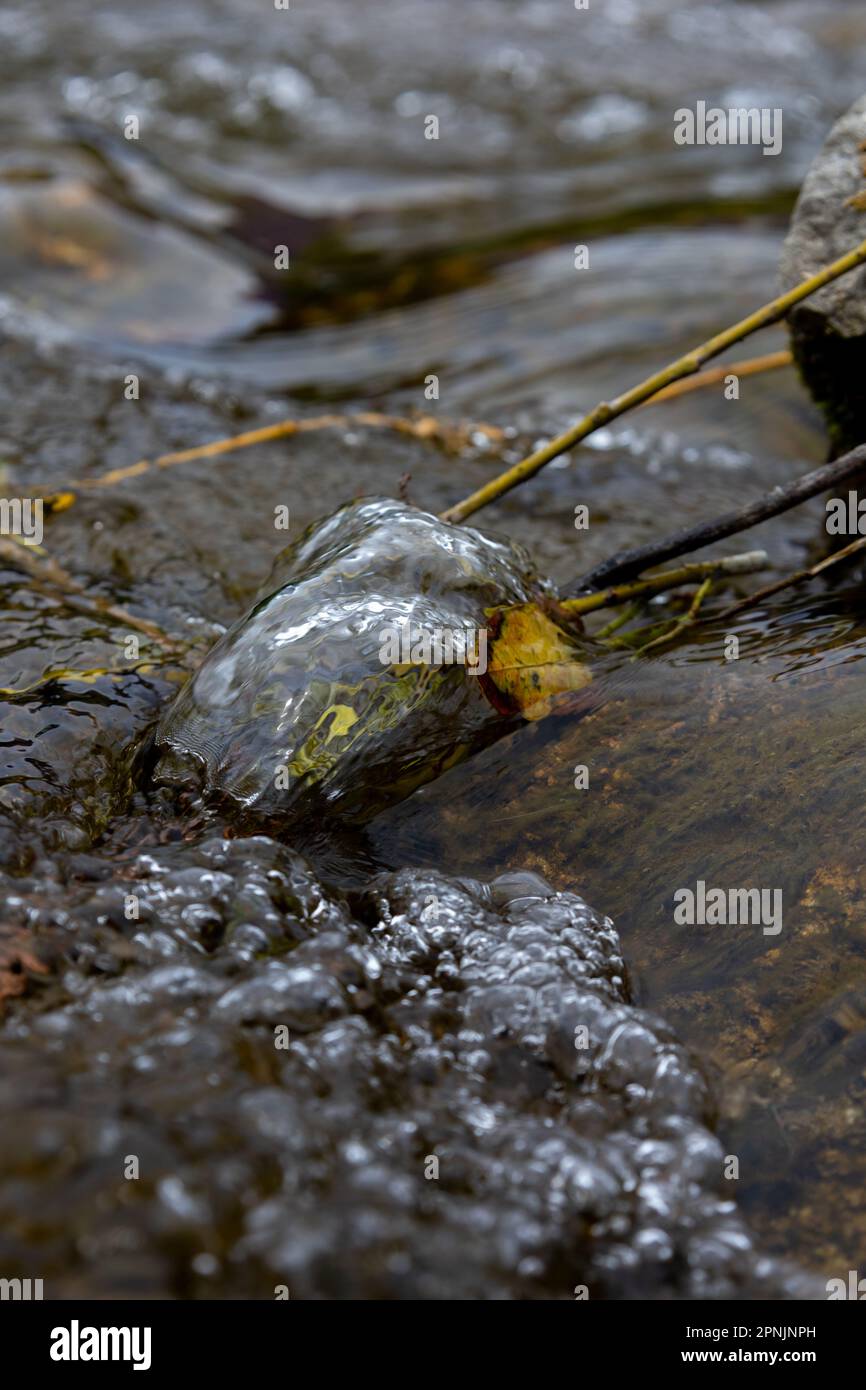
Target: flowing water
x: 154, y: 256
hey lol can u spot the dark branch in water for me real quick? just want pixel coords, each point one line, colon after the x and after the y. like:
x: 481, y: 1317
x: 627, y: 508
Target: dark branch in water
x: 780, y: 499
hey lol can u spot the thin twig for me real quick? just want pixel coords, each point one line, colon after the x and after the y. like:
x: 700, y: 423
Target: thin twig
x: 780, y: 499
x: 669, y: 579
x: 798, y: 577
x: 452, y: 436
x: 69, y: 675
x: 619, y: 621
x: 750, y: 366
x: 688, y: 620
x: 51, y: 579
x: 683, y: 366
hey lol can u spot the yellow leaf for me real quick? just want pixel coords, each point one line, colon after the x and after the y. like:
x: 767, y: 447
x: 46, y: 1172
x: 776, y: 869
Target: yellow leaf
x: 58, y: 501
x: 531, y: 661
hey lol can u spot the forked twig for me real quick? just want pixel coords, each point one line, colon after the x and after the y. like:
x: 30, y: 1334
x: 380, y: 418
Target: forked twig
x: 682, y: 367
x: 798, y: 577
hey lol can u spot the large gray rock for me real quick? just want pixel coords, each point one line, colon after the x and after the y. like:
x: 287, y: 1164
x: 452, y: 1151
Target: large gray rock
x: 828, y: 331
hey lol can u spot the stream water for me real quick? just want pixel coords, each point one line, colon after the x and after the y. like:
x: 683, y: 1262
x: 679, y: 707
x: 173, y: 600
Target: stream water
x: 154, y: 256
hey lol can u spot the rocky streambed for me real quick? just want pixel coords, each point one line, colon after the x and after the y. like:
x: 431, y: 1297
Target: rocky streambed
x: 237, y: 1082
x: 242, y: 1086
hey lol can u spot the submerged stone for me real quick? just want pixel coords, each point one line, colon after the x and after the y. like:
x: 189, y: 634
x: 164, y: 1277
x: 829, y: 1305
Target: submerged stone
x: 828, y: 330
x: 437, y: 1088
x: 100, y: 271
x: 338, y: 691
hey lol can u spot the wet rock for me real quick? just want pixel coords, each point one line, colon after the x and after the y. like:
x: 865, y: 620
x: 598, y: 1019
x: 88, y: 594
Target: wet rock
x: 99, y: 271
x: 466, y: 1104
x: 297, y: 710
x: 68, y: 715
x: 828, y: 331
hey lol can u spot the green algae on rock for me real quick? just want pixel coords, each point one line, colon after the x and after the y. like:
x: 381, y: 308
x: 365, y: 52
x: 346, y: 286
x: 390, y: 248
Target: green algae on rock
x: 302, y: 704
